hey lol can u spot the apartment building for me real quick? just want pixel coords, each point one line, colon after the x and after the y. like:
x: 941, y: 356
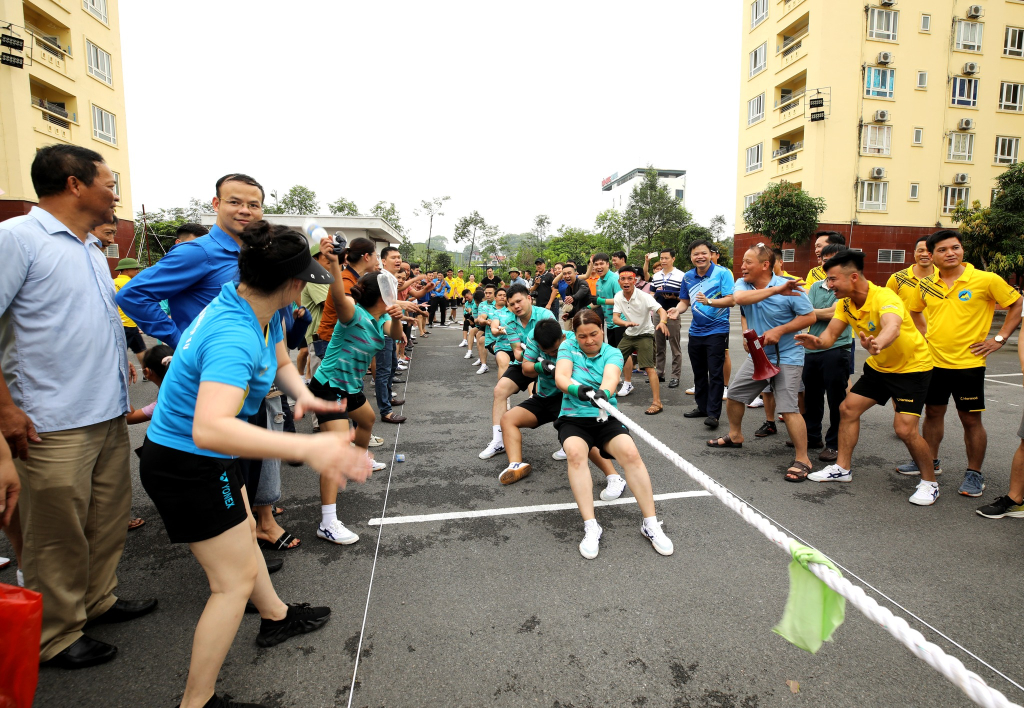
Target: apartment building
x: 892, y: 111
x: 63, y: 85
x: 620, y: 188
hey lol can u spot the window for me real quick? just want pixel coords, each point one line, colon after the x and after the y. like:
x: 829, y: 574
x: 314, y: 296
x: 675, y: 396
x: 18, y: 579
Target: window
x: 759, y: 59
x: 1006, y: 150
x: 926, y: 23
x: 679, y: 194
x: 1013, y: 44
x: 99, y: 63
x: 876, y: 139
x: 758, y: 12
x: 754, y: 155
x: 750, y: 199
x: 968, y: 35
x: 104, y: 126
x: 873, y: 196
x: 112, y: 251
x: 788, y: 255
x: 879, y: 82
x: 918, y: 136
x: 97, y: 8
x: 922, y: 79
x: 755, y: 109
x: 915, y: 193
x: 961, y: 147
x: 890, y: 255
x: 882, y: 24
x: 117, y: 184
x: 965, y: 92
x: 1011, y: 97
x: 952, y: 195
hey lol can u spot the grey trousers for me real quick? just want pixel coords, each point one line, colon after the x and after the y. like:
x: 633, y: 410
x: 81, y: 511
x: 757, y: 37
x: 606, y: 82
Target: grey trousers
x: 659, y: 345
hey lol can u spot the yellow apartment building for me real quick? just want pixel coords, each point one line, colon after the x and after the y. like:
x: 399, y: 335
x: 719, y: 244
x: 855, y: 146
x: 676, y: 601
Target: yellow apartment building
x: 64, y: 84
x: 892, y: 111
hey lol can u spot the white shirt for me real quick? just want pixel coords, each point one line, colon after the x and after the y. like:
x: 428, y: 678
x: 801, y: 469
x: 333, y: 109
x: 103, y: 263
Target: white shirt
x: 636, y: 309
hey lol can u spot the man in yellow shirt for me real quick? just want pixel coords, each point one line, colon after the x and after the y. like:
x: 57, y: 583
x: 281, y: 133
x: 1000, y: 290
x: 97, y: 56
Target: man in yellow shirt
x: 822, y: 239
x: 128, y: 268
x: 904, y: 282
x: 954, y: 308
x: 898, y: 367
x: 455, y: 296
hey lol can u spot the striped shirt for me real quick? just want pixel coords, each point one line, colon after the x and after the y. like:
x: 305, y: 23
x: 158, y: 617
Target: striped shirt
x: 665, y: 287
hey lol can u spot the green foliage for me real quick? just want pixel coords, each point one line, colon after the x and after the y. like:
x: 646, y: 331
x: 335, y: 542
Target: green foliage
x: 161, y: 225
x: 784, y: 213
x: 466, y: 229
x: 443, y: 261
x: 388, y: 212
x: 300, y: 200
x: 994, y: 237
x: 573, y: 244
x: 407, y: 249
x: 980, y: 244
x: 343, y: 207
x: 541, y: 224
x: 609, y: 224
x: 653, y: 214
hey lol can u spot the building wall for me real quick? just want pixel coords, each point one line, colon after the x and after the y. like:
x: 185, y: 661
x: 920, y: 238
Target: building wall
x: 618, y: 196
x: 60, y: 75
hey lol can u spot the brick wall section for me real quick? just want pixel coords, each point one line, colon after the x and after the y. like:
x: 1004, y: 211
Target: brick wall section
x: 865, y: 237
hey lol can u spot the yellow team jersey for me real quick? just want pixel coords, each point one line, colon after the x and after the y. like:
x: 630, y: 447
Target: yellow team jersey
x: 471, y: 287
x: 458, y: 285
x: 814, y: 275
x: 908, y: 353
x: 904, y: 283
x: 119, y: 282
x: 961, y: 315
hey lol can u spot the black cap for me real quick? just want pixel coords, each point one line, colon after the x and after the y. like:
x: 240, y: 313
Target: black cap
x: 303, y: 267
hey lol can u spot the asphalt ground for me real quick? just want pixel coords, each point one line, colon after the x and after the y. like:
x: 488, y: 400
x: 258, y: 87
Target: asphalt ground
x: 503, y: 610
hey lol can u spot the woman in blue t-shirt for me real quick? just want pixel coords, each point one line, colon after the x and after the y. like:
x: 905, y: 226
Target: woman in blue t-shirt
x: 222, y: 369
x: 587, y: 366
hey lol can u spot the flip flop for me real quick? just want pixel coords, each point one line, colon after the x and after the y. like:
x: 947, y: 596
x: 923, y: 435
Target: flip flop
x: 797, y: 472
x: 281, y: 544
x: 654, y: 409
x: 726, y: 442
x: 135, y: 523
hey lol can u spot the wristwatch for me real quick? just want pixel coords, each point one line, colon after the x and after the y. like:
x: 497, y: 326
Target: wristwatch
x: 1000, y: 339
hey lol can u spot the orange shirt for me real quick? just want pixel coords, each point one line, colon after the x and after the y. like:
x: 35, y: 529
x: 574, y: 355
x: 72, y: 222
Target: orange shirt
x: 330, y: 316
x: 592, y: 283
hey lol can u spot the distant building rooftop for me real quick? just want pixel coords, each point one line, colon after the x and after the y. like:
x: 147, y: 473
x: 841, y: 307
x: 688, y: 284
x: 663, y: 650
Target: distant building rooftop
x: 610, y: 183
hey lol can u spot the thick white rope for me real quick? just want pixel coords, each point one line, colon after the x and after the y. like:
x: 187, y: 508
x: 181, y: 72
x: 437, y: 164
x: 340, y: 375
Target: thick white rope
x: 950, y: 667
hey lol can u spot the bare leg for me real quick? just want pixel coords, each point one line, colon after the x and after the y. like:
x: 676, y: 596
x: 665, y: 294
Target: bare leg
x: 798, y: 434
x: 735, y: 409
x: 511, y: 424
x: 634, y: 470
x: 364, y: 417
x: 328, y: 489
x: 502, y: 390
x: 580, y: 482
x: 852, y: 408
x: 975, y: 439
x: 503, y: 361
x: 481, y: 348
x: 728, y: 368
x: 1017, y: 475
x: 934, y: 429
x: 905, y: 426
x: 602, y: 463
x: 301, y: 360
x: 267, y: 527
x: 652, y: 376
x: 769, y: 406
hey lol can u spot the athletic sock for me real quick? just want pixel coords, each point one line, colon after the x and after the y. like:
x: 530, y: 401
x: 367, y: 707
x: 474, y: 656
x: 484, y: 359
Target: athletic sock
x: 651, y: 522
x: 497, y: 435
x: 329, y: 514
x: 610, y: 477
x: 842, y: 470
x: 591, y: 524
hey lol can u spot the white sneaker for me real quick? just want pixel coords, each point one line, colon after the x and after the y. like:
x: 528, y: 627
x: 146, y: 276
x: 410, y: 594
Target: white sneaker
x: 483, y: 369
x: 495, y: 448
x: 469, y: 355
x: 926, y: 493
x: 692, y: 390
x: 376, y: 441
x: 590, y: 545
x: 625, y: 389
x: 514, y: 472
x: 336, y: 532
x: 305, y: 381
x: 653, y: 533
x: 725, y: 394
x: 559, y: 454
x: 21, y: 578
x: 613, y: 490
x: 477, y: 362
x: 832, y: 473
x: 402, y: 367
x: 378, y: 466
x: 464, y: 343
x: 758, y: 403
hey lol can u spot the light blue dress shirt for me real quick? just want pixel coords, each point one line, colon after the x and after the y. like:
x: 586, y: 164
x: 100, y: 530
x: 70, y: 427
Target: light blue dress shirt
x: 775, y: 311
x: 62, y: 344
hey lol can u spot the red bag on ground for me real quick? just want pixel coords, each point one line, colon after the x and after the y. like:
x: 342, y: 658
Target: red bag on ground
x: 21, y: 621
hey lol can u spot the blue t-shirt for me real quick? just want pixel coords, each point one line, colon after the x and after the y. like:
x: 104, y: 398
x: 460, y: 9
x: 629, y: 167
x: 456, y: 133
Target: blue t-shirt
x: 773, y: 312
x: 504, y: 317
x: 545, y: 383
x: 441, y: 288
x: 587, y: 371
x: 519, y: 333
x: 717, y: 282
x: 226, y: 344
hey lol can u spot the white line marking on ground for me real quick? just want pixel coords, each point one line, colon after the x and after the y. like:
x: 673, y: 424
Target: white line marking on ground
x: 989, y: 376
x: 1013, y: 404
x: 1005, y: 383
x: 420, y: 518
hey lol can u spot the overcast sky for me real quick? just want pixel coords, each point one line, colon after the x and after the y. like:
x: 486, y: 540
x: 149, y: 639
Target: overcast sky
x: 511, y: 109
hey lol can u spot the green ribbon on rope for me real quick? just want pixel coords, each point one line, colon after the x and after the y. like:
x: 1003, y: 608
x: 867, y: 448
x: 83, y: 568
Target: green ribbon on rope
x: 814, y: 610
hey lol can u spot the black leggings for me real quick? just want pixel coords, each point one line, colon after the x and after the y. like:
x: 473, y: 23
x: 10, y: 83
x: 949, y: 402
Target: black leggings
x: 435, y: 304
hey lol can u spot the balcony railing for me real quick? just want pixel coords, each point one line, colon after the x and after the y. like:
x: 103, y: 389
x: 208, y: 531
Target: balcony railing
x: 51, y: 107
x: 52, y: 126
x: 788, y: 149
x: 789, y: 41
x: 785, y: 103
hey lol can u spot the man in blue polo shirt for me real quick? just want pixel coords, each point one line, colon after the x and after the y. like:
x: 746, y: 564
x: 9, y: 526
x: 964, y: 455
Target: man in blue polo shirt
x: 709, y: 330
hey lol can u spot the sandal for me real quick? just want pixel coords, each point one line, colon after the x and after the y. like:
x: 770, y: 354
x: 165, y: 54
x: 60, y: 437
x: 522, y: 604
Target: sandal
x: 283, y: 543
x: 277, y: 511
x: 655, y: 409
x: 797, y: 472
x: 135, y: 523
x: 726, y: 442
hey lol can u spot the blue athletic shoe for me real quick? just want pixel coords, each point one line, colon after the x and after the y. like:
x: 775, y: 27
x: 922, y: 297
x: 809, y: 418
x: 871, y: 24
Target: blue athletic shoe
x: 910, y: 469
x: 973, y: 484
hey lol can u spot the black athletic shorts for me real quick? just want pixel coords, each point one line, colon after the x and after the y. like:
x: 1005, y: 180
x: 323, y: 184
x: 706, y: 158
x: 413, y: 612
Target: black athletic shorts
x: 544, y: 408
x: 490, y: 348
x: 615, y: 335
x: 515, y: 374
x: 353, y: 401
x: 966, y: 386
x: 134, y: 337
x: 908, y: 391
x: 197, y: 497
x: 595, y: 433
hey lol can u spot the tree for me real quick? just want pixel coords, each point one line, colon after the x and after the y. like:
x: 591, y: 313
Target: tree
x: 299, y: 200
x: 980, y: 244
x: 574, y: 244
x: 274, y: 208
x: 784, y: 213
x: 466, y: 229
x: 437, y: 243
x: 443, y: 262
x: 609, y: 224
x: 717, y: 227
x: 541, y: 223
x: 388, y: 212
x: 652, y: 213
x: 406, y: 248
x: 1006, y: 218
x: 343, y: 207
x: 431, y: 208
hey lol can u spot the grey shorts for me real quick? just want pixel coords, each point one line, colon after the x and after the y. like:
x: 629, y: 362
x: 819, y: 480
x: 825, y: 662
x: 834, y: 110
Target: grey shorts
x: 786, y: 386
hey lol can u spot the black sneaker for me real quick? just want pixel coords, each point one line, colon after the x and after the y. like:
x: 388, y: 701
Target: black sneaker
x: 226, y: 701
x: 768, y: 428
x: 301, y: 619
x: 1004, y: 506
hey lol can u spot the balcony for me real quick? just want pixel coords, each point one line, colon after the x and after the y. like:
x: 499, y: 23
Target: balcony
x: 787, y: 164
x: 790, y: 5
x: 45, y: 52
x: 782, y: 152
x: 51, y: 125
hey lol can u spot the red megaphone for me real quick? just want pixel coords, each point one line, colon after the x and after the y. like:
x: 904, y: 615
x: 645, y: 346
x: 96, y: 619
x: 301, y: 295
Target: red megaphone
x: 763, y: 369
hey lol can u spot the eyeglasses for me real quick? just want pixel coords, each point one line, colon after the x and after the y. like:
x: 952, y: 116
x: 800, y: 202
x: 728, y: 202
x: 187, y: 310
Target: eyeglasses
x: 235, y: 204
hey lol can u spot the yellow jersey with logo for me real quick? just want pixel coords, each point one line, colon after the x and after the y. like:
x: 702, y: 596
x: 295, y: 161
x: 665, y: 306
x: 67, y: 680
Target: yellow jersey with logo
x: 908, y: 353
x: 904, y: 283
x: 458, y: 285
x: 961, y: 315
x: 119, y: 282
x: 814, y: 275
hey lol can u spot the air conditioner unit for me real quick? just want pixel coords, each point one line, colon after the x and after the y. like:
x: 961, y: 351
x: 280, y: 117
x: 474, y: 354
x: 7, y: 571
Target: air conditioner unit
x: 974, y: 10
x: 877, y: 172
x: 881, y: 116
x: 885, y: 58
x: 965, y: 124
x: 960, y: 178
x: 887, y: 3
x: 972, y: 67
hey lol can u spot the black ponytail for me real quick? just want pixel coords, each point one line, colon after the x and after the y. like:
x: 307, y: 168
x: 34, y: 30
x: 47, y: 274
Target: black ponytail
x: 264, y: 247
x: 357, y: 249
x: 157, y: 359
x: 366, y: 291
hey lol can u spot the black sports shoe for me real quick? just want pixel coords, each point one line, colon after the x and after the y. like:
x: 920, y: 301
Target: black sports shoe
x: 301, y: 618
x: 225, y: 701
x: 768, y: 428
x: 1004, y: 506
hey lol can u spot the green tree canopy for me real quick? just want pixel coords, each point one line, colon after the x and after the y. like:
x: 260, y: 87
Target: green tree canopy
x: 467, y: 229
x: 994, y: 236
x: 784, y: 213
x: 300, y: 200
x: 574, y: 244
x: 653, y: 213
x: 388, y: 212
x: 343, y: 207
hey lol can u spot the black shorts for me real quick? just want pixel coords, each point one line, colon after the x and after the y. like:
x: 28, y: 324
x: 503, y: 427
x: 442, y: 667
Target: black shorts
x: 908, y: 391
x: 490, y: 348
x: 593, y: 432
x: 353, y: 401
x: 967, y: 386
x: 198, y: 497
x: 615, y: 335
x: 516, y: 375
x: 544, y: 408
x: 134, y: 338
